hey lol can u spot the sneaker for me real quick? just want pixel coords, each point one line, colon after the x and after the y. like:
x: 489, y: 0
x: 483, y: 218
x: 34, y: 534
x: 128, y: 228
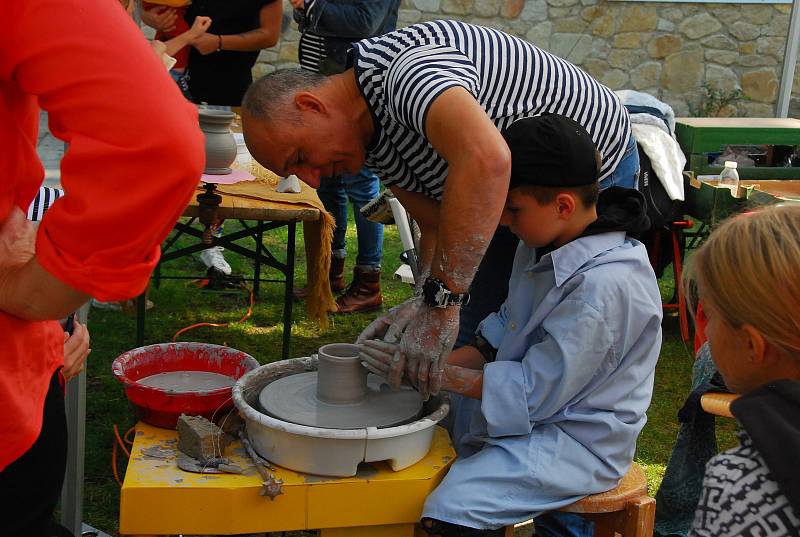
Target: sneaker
x: 112, y: 306
x: 212, y: 257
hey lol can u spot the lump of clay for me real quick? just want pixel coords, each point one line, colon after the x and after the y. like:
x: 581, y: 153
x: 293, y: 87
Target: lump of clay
x: 200, y: 438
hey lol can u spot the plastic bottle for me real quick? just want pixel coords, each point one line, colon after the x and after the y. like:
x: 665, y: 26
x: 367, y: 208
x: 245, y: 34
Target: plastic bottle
x: 729, y: 177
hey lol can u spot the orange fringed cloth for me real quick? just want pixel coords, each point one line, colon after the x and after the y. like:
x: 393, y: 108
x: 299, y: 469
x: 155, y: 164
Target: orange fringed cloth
x: 317, y: 235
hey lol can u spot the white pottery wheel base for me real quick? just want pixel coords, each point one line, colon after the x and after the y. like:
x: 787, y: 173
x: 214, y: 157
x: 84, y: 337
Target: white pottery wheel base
x: 326, y: 451
x: 294, y: 399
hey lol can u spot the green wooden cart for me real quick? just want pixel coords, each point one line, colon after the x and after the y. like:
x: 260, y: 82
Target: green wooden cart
x: 758, y: 186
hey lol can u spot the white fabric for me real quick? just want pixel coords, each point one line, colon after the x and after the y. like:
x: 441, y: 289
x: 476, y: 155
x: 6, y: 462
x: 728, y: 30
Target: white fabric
x: 665, y: 155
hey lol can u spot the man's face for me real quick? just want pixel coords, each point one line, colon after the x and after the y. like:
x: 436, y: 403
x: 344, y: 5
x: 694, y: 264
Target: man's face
x: 536, y: 225
x: 320, y: 146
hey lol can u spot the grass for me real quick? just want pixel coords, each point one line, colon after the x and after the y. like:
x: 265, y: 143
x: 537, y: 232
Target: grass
x: 178, y: 305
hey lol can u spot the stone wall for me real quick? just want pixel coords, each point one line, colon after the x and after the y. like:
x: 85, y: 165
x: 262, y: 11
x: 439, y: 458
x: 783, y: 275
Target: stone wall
x: 670, y: 50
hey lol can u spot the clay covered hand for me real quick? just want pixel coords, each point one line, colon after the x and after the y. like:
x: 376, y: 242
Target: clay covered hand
x: 389, y: 328
x: 76, y: 349
x: 426, y: 341
x: 379, y: 357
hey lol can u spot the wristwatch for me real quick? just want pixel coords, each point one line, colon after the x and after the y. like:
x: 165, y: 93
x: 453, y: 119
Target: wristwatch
x: 437, y: 295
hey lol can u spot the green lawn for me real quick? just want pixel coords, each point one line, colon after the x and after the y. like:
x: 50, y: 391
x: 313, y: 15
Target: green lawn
x: 178, y: 304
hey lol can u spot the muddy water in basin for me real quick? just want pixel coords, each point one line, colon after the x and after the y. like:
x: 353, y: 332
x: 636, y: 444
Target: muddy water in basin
x: 187, y: 381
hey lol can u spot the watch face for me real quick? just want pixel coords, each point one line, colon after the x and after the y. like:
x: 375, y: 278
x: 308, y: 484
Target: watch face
x: 433, y: 292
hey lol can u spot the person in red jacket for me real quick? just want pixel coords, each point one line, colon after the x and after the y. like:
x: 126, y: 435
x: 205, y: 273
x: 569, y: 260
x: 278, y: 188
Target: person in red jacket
x: 134, y: 157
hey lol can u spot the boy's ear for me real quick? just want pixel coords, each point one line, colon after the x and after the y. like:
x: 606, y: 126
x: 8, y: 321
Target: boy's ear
x: 755, y: 344
x: 565, y: 205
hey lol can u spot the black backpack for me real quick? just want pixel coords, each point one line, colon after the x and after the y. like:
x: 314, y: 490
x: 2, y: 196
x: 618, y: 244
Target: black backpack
x: 662, y: 211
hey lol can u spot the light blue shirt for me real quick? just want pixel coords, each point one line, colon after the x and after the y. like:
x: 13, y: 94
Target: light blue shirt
x: 578, y: 339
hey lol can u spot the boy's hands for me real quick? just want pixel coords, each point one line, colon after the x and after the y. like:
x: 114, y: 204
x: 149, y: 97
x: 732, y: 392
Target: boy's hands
x: 381, y: 358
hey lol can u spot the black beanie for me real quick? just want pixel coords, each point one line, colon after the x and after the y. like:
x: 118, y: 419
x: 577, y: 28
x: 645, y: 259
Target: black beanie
x: 550, y: 150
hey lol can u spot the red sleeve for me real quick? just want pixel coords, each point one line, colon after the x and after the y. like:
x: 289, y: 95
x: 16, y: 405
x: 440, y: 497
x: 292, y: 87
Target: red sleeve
x: 135, y: 150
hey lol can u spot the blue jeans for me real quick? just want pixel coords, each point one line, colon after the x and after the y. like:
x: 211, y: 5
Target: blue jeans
x: 490, y: 286
x: 626, y: 173
x: 360, y: 189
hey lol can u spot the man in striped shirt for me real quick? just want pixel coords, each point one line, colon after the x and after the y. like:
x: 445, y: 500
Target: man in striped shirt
x: 423, y: 107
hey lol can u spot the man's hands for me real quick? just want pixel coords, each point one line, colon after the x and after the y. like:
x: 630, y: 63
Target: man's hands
x: 411, y: 338
x: 76, y: 349
x: 425, y: 344
x: 390, y: 328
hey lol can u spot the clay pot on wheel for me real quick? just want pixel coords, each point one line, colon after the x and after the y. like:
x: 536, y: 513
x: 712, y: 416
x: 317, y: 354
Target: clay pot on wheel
x: 220, y: 144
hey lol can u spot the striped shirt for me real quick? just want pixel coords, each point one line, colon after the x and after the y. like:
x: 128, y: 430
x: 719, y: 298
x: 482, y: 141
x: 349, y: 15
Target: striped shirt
x: 312, y: 51
x: 400, y: 75
x: 43, y: 200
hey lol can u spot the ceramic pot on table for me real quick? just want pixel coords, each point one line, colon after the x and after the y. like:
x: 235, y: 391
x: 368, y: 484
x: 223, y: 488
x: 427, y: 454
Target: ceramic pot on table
x: 220, y: 143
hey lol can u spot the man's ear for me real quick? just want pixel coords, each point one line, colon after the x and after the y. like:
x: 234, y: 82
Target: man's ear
x: 308, y: 102
x: 755, y: 345
x: 565, y: 205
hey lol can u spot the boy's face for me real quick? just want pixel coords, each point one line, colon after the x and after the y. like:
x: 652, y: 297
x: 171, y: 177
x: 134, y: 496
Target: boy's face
x: 536, y: 225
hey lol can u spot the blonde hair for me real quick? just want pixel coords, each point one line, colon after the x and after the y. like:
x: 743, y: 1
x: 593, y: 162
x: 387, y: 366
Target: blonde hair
x: 749, y: 269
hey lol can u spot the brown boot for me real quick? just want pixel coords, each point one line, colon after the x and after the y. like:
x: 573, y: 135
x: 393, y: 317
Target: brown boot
x: 364, y: 293
x: 336, y: 275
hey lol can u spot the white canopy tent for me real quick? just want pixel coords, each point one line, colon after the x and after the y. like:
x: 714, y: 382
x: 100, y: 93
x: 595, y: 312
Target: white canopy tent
x: 789, y: 62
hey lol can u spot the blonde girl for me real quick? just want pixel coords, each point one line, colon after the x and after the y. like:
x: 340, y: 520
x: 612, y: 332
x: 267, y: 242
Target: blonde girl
x: 748, y: 277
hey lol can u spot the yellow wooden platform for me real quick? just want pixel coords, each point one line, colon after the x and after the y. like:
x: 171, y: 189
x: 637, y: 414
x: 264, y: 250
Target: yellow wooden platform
x: 158, y: 498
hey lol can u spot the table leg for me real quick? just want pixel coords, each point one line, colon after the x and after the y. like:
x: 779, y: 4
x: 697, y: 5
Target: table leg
x: 141, y: 300
x: 287, y: 300
x: 257, y: 268
x: 389, y: 530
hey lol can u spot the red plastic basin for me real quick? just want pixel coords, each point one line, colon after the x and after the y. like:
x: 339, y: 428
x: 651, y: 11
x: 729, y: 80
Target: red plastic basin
x: 162, y: 408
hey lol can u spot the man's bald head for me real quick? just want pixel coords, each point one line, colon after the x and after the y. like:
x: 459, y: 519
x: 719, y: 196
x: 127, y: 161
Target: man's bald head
x: 270, y: 98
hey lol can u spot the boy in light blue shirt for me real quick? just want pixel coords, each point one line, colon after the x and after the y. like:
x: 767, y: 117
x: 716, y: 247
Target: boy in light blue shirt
x: 560, y: 378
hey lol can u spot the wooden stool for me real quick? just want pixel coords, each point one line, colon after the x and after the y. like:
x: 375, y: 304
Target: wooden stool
x: 626, y: 510
x: 718, y: 403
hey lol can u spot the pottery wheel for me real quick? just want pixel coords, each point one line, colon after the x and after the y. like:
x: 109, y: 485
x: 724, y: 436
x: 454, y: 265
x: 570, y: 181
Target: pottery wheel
x: 293, y: 399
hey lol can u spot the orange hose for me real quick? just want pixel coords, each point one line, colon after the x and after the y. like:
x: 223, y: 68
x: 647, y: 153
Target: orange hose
x: 246, y: 315
x: 118, y: 442
x: 121, y: 443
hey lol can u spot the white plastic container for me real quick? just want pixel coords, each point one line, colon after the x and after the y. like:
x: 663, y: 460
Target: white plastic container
x: 729, y: 177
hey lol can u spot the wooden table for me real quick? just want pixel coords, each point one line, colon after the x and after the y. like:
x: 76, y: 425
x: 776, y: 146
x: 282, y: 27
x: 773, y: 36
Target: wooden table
x: 157, y: 498
x: 257, y: 216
